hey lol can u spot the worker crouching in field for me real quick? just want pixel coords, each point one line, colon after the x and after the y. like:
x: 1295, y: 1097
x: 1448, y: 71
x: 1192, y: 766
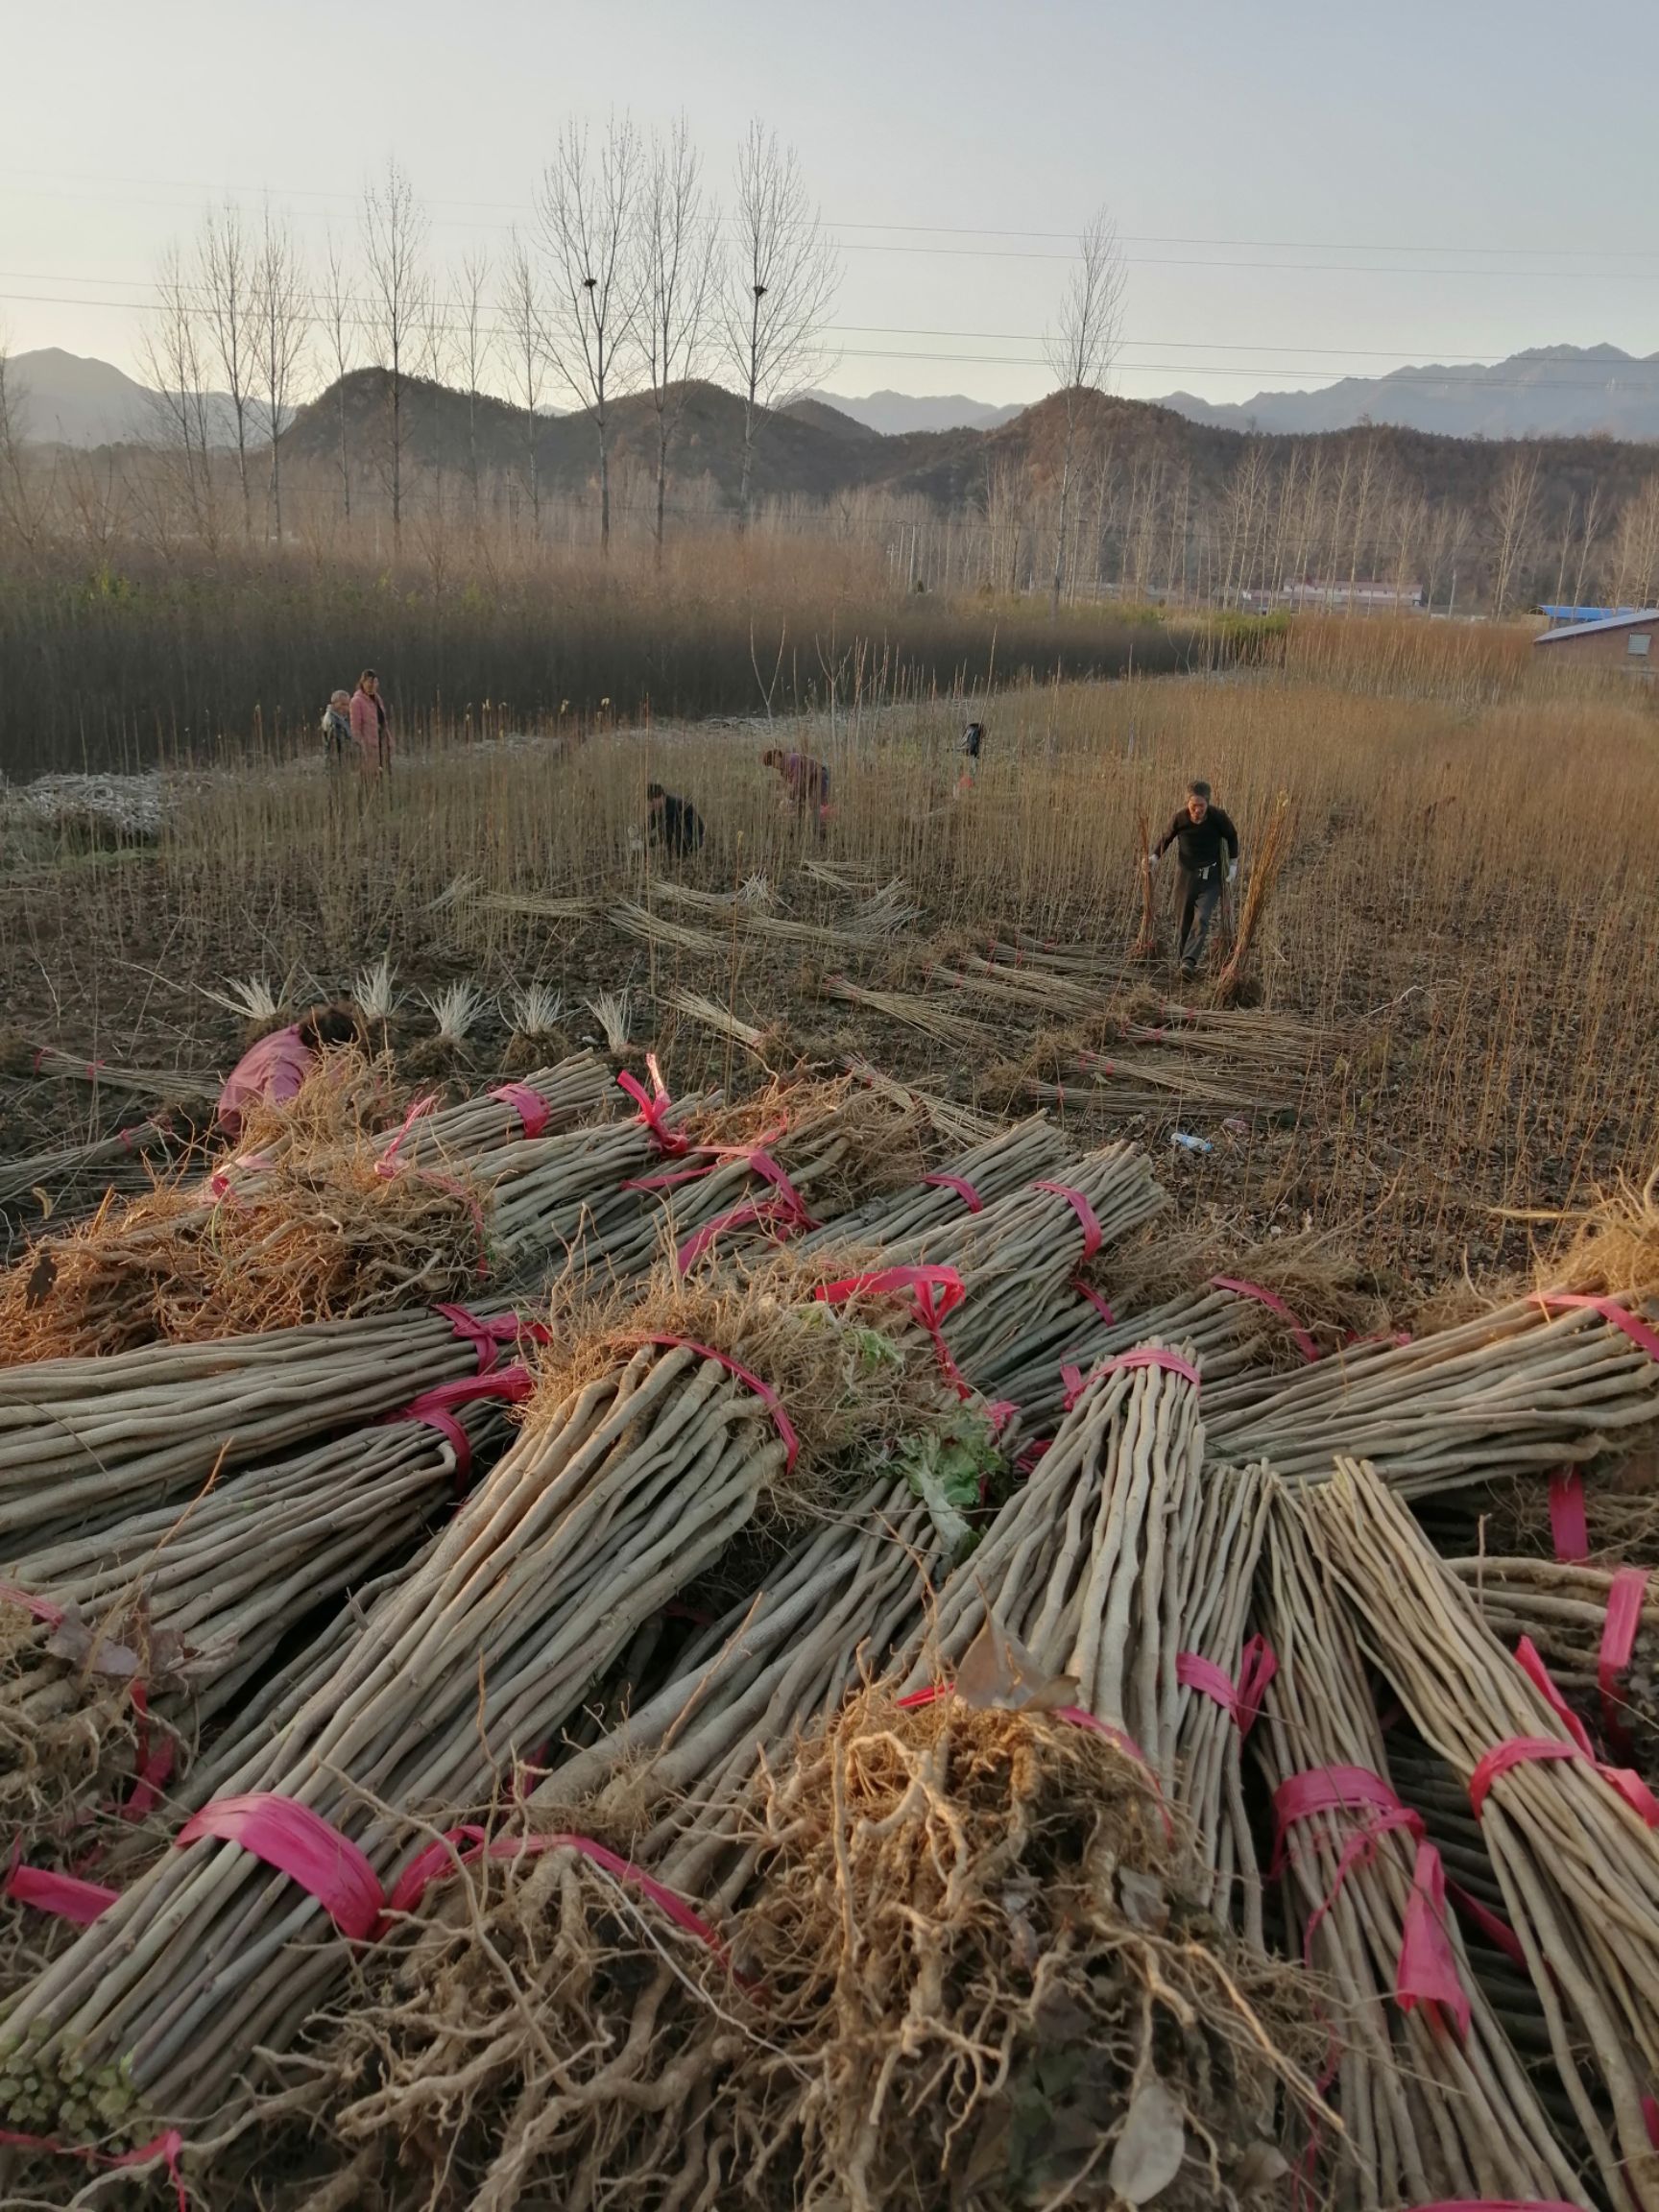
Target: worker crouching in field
x: 277, y: 1065
x: 807, y: 781
x: 674, y: 825
x: 1199, y: 834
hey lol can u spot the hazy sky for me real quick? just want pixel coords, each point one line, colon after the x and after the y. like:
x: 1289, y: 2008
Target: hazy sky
x: 1304, y: 188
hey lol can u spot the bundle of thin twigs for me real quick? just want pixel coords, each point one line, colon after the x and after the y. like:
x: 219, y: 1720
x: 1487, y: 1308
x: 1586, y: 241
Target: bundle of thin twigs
x: 1272, y: 849
x: 1429, y: 2111
x: 185, y: 1084
x: 191, y: 1602
x: 488, y: 1130
x: 957, y: 1123
x: 1579, y: 1869
x: 966, y: 1182
x: 914, y: 1012
x: 697, y: 1007
x: 106, y: 1160
x: 1564, y: 1610
x: 1533, y: 1382
x: 85, y: 1442
x: 632, y: 1475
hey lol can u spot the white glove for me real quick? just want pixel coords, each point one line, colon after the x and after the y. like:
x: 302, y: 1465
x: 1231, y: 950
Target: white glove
x: 1232, y: 871
x: 1152, y: 860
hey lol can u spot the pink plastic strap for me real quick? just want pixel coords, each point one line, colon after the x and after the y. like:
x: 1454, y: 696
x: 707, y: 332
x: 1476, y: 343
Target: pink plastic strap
x: 1569, y: 1528
x: 1620, y: 1779
x: 1144, y: 1356
x: 532, y: 1109
x: 435, y: 1407
x: 301, y: 1844
x: 42, y: 1608
x: 154, y: 1766
x: 1517, y: 1751
x: 764, y: 1391
x: 1096, y: 1300
x: 1624, y: 1601
x: 437, y: 1860
x: 487, y: 1337
x: 963, y: 1189
x: 654, y: 1106
x: 1299, y: 1336
x: 936, y: 1291
x: 167, y: 2145
x: 61, y: 1895
x: 1492, y: 1925
x: 1425, y: 1972
x: 1610, y: 1310
x: 1258, y: 1665
x: 1085, y: 1213
x: 386, y: 1166
x: 1498, y: 2204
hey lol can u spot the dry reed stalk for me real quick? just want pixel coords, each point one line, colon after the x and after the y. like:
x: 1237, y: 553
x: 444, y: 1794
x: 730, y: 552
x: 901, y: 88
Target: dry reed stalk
x: 913, y: 1011
x: 1146, y: 942
x: 714, y: 1015
x: 1580, y: 1871
x: 636, y: 921
x: 1272, y: 849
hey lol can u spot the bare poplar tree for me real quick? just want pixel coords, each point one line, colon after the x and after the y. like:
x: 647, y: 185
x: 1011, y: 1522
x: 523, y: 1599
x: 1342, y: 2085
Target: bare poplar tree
x: 395, y: 249
x: 226, y: 274
x: 173, y: 364
x: 339, y: 333
x: 521, y: 306
x: 586, y: 207
x: 24, y: 503
x: 472, y: 283
x: 1082, y: 347
x: 1512, y: 516
x: 781, y: 281
x: 678, y: 248
x: 282, y: 328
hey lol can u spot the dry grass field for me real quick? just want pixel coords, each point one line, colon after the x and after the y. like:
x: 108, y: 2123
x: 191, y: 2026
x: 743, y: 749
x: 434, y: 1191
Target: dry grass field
x: 1457, y: 961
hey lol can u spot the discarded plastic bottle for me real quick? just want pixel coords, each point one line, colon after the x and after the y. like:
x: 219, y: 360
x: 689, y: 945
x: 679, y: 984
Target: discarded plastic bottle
x: 1191, y: 1144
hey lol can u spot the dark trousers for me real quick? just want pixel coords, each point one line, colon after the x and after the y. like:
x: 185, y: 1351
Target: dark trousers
x: 1196, y: 899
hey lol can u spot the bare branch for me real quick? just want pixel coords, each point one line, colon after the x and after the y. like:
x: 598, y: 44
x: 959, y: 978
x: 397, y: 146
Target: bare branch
x: 678, y: 245
x: 395, y: 233
x: 281, y: 330
x: 1083, y: 346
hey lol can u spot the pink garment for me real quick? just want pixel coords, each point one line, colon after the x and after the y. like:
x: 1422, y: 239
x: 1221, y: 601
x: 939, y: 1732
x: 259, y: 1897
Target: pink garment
x: 374, y: 738
x: 273, y: 1068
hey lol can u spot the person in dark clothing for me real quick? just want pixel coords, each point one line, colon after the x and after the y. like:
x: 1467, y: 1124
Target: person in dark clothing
x: 1200, y: 832
x: 676, y: 825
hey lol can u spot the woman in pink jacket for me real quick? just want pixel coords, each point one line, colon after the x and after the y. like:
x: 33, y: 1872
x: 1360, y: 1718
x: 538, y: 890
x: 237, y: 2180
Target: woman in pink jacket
x: 370, y: 726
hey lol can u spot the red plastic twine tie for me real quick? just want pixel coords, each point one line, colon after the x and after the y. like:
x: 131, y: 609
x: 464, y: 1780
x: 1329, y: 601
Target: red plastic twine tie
x: 1078, y: 1384
x: 1096, y: 1300
x: 1624, y: 1601
x: 1524, y: 1750
x: 655, y: 1105
x: 1092, y: 1237
x: 936, y: 1292
x: 963, y: 1189
x: 1492, y: 1925
x: 1620, y: 1316
x: 532, y: 1109
x: 435, y: 1407
x: 1569, y: 1528
x: 154, y: 1766
x: 1299, y: 1336
x: 63, y: 1895
x: 301, y: 1844
x: 1241, y: 1700
x: 166, y: 2146
x: 42, y: 1608
x: 1425, y: 1972
x: 764, y: 1391
x: 387, y: 1166
x: 487, y: 1337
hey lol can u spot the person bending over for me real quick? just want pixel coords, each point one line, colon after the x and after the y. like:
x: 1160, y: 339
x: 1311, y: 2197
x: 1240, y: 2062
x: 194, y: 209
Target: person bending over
x: 1199, y: 832
x: 277, y: 1065
x: 675, y: 825
x: 807, y: 781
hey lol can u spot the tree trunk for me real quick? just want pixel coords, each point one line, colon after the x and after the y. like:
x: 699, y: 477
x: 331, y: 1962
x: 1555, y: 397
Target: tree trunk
x: 661, y: 479
x: 604, y: 493
x: 1060, y: 533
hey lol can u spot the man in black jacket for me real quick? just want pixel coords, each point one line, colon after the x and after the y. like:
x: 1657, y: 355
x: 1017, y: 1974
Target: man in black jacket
x: 1199, y: 832
x: 675, y: 823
